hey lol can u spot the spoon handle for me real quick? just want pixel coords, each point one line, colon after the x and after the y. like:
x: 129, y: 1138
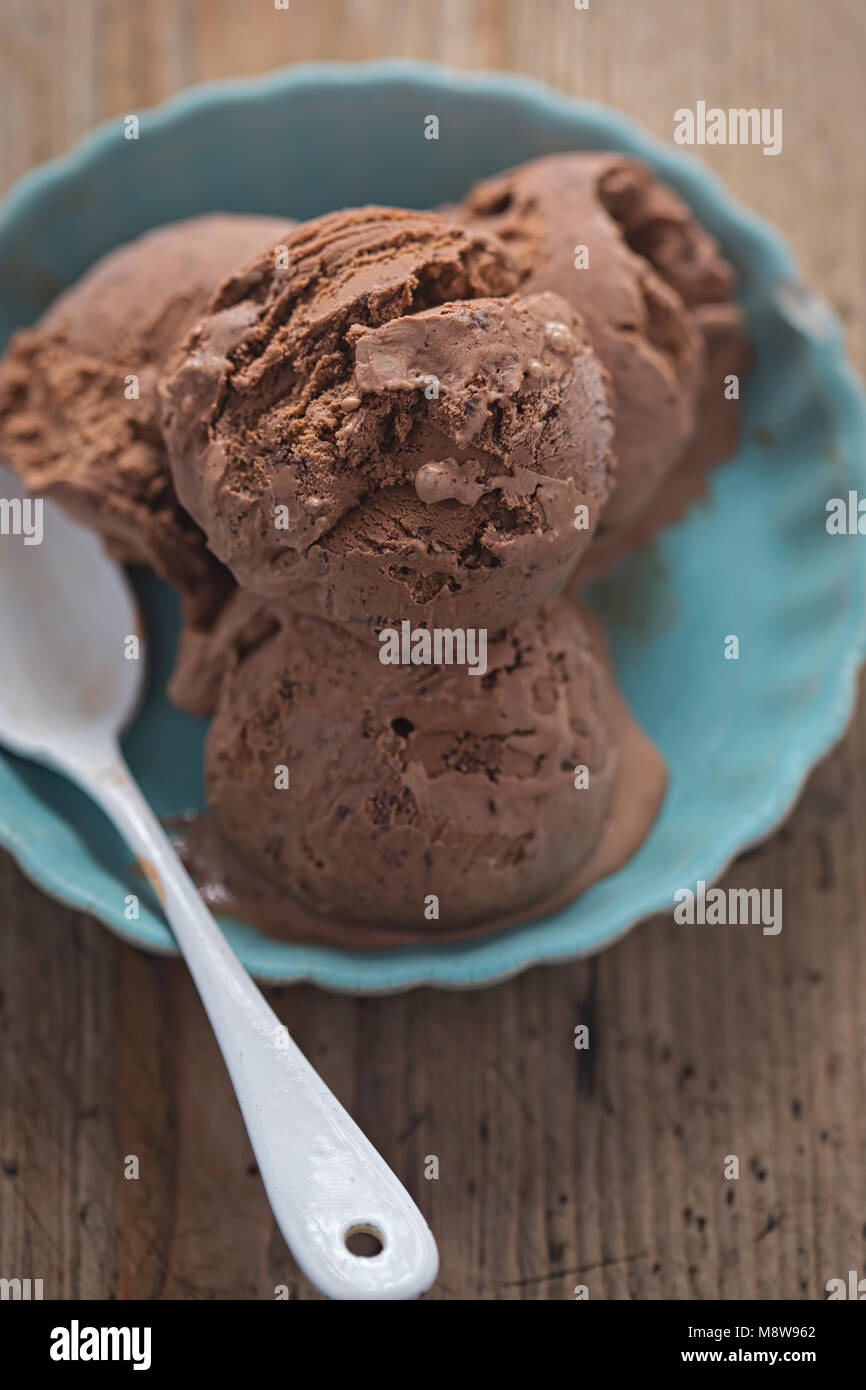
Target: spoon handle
x: 323, y: 1177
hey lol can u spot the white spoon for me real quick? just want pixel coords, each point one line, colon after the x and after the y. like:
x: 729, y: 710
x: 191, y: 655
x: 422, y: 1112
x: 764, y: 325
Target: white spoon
x: 67, y: 689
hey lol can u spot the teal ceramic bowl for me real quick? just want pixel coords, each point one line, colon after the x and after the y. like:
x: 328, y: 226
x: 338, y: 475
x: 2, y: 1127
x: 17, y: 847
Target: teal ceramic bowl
x: 755, y: 559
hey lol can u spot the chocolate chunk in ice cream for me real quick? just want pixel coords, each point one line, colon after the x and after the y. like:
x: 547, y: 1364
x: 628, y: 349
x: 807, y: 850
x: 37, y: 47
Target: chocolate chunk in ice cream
x: 373, y: 428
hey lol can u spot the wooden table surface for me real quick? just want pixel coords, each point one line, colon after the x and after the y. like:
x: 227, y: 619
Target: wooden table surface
x: 557, y: 1167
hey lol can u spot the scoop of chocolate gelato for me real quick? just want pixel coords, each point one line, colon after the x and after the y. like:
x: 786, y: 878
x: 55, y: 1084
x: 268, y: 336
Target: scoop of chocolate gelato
x: 371, y: 428
x: 653, y: 290
x: 659, y: 226
x: 79, y: 410
x: 423, y: 799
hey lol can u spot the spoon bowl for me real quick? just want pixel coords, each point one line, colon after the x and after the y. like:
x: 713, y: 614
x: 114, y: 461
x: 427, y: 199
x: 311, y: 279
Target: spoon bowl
x: 74, y: 658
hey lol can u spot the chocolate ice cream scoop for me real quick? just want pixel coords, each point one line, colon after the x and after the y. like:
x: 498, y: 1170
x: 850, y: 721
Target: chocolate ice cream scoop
x: 659, y: 226
x: 418, y: 799
x: 372, y: 428
x: 79, y: 414
x: 650, y: 281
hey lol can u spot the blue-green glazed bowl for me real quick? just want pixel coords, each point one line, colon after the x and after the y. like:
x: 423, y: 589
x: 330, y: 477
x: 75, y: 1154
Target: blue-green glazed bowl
x: 754, y: 559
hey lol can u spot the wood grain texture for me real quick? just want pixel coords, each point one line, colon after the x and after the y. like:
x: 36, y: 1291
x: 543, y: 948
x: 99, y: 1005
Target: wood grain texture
x: 557, y: 1167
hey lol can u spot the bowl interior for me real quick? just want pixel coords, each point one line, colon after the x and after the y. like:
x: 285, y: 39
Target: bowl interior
x: 754, y: 559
